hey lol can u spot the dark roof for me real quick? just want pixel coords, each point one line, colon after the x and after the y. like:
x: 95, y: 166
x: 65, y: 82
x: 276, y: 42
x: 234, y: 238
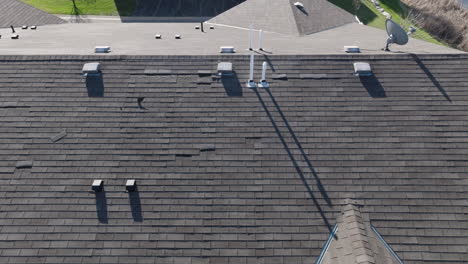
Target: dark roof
x: 17, y: 13
x: 260, y: 176
x: 183, y: 8
x: 282, y: 16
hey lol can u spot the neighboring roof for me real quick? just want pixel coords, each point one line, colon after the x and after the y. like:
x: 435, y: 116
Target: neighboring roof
x: 282, y: 16
x: 259, y: 177
x: 17, y: 13
x: 183, y: 8
x: 355, y: 241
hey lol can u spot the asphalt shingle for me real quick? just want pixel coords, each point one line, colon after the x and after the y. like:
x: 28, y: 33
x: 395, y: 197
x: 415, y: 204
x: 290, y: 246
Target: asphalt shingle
x: 282, y: 161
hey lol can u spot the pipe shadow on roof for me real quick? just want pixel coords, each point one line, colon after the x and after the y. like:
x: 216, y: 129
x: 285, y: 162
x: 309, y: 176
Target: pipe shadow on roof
x: 135, y: 204
x: 101, y: 206
x: 293, y: 159
x: 431, y: 77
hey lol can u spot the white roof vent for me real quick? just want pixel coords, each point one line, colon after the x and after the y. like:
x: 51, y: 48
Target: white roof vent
x: 227, y: 49
x: 158, y: 36
x: 299, y: 5
x: 97, y: 185
x: 224, y: 68
x: 130, y: 185
x: 92, y: 68
x: 352, y: 49
x: 362, y: 69
x: 102, y: 49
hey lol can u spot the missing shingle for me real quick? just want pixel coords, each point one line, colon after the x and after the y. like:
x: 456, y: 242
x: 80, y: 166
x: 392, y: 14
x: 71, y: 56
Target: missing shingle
x: 25, y: 164
x: 8, y: 104
x: 282, y: 77
x: 59, y: 136
x: 204, y: 73
x: 158, y: 72
x: 140, y: 101
x: 204, y: 80
x: 207, y: 148
x: 313, y: 76
x: 183, y: 155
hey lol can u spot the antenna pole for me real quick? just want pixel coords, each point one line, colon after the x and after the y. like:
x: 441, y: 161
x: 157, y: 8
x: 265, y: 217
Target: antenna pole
x: 250, y: 37
x: 251, y: 83
x: 260, y: 39
x: 252, y: 61
x: 264, y: 68
x: 263, y: 83
x: 12, y: 29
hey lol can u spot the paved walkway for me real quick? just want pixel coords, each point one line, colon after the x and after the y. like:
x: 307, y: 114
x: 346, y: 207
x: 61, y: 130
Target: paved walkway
x: 138, y: 39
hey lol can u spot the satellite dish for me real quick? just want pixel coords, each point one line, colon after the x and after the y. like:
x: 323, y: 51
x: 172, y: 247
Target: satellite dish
x: 396, y: 34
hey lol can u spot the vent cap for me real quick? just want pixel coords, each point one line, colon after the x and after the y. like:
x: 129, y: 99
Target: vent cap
x: 362, y: 69
x: 130, y: 185
x: 227, y: 49
x: 92, y: 68
x: 352, y: 49
x: 224, y: 68
x: 98, y: 185
x: 102, y: 49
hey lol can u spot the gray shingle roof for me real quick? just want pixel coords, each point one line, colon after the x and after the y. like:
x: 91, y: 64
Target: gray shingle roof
x: 17, y: 13
x: 282, y: 16
x: 280, y: 164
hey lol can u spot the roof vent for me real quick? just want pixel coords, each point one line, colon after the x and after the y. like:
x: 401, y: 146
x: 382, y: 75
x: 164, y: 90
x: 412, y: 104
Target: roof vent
x: 102, y: 49
x: 130, y: 185
x: 24, y: 164
x: 98, y: 185
x: 24, y: 27
x: 178, y: 36
x: 33, y: 27
x: 14, y: 36
x: 91, y: 69
x: 227, y: 49
x: 362, y: 69
x: 225, y: 68
x: 352, y: 49
x: 158, y: 36
x: 211, y: 27
x: 299, y: 5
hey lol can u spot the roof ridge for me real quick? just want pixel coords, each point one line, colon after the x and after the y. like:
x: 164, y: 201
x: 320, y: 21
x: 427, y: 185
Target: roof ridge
x: 355, y: 241
x: 355, y: 225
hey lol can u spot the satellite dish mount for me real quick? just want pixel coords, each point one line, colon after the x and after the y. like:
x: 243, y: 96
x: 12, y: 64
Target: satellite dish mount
x: 396, y: 34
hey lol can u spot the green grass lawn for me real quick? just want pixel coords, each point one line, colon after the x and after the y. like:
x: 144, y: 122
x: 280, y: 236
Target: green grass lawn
x: 85, y: 7
x: 370, y: 16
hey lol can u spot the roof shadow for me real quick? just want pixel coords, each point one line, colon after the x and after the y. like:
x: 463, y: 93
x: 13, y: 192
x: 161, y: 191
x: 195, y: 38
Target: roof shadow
x: 95, y: 85
x: 101, y: 206
x: 431, y: 77
x: 135, y: 205
x: 125, y: 7
x: 365, y: 14
x: 232, y: 85
x: 174, y: 8
x: 373, y: 86
x: 291, y: 155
